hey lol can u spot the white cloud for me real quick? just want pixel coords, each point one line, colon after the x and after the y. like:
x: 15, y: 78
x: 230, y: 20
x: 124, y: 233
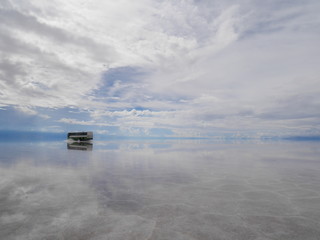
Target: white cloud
x: 206, y: 64
x: 31, y: 111
x: 82, y: 122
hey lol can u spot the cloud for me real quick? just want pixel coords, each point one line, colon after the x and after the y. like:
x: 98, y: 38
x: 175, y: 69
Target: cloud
x: 191, y: 65
x: 30, y: 111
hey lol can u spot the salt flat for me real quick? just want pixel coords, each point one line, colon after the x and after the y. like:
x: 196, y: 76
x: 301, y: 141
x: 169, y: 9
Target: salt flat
x: 148, y: 190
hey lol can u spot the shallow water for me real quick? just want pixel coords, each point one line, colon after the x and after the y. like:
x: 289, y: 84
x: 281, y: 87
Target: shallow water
x: 160, y: 190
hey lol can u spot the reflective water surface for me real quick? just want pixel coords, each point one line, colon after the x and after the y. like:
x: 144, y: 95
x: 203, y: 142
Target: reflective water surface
x: 181, y: 190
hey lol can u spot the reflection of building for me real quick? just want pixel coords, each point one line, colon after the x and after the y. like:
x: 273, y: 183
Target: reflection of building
x: 80, y: 136
x: 84, y: 146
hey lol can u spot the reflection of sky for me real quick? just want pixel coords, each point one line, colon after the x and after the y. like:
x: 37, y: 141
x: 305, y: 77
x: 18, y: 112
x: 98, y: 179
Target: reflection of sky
x: 160, y: 190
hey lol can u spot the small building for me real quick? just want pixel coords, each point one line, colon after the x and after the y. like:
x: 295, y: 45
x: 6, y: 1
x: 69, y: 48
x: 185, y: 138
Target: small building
x: 80, y: 136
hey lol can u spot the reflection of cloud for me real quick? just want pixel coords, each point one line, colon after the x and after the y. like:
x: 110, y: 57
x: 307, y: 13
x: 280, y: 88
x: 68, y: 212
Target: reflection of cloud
x: 140, y: 191
x: 38, y: 196
x: 44, y: 202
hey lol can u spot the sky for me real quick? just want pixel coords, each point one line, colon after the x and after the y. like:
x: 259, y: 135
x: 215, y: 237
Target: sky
x: 170, y: 68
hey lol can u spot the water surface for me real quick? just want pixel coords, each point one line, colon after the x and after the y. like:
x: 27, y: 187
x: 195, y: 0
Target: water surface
x: 160, y: 190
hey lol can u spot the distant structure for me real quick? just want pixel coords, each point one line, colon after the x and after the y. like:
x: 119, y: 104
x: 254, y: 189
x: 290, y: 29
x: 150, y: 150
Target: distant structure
x: 80, y: 136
